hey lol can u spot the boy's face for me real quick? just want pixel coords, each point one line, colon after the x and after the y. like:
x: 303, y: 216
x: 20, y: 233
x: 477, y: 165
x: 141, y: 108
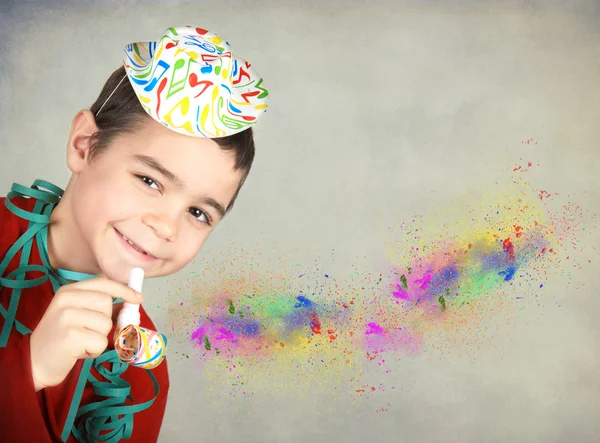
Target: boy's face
x: 162, y: 191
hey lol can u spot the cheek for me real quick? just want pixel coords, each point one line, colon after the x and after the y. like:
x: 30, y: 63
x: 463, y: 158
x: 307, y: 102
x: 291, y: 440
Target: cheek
x: 101, y: 199
x: 119, y: 203
x: 188, y: 247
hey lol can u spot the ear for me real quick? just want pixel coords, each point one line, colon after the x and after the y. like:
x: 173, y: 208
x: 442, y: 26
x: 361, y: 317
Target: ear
x: 78, y: 145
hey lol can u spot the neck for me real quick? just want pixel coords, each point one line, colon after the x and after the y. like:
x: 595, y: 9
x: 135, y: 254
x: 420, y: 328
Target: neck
x: 67, y: 248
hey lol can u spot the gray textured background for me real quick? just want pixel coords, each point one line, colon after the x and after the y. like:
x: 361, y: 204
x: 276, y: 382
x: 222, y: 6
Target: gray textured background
x: 378, y: 110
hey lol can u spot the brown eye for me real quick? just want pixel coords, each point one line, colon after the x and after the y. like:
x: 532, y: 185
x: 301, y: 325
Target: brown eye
x: 200, y: 215
x: 150, y: 182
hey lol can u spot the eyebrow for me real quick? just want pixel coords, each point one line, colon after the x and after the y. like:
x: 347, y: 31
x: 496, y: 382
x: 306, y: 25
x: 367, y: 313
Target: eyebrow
x: 154, y: 164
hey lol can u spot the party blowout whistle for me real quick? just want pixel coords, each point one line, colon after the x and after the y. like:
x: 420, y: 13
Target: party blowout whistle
x: 135, y: 345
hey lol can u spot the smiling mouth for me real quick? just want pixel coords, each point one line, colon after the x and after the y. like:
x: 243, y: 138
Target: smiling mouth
x: 134, y: 246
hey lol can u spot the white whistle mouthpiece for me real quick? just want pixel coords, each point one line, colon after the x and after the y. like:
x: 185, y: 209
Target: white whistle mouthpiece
x: 130, y: 313
x: 136, y: 279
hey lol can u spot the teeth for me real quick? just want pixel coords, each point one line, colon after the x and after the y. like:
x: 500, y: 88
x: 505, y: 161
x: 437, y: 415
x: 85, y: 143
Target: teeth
x: 134, y: 246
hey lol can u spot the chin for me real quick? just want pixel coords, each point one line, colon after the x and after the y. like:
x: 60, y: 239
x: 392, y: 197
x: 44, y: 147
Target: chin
x: 118, y: 275
x: 120, y: 271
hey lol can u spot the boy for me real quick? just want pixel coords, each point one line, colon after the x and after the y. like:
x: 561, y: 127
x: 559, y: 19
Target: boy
x: 156, y: 163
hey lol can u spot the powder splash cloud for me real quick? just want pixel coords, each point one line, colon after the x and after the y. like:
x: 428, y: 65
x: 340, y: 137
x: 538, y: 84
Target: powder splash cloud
x: 285, y: 325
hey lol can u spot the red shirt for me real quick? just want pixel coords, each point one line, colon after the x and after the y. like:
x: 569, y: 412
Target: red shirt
x: 27, y: 416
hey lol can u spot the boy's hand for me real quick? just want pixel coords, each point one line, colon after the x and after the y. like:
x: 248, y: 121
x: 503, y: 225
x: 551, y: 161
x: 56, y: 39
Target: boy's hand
x: 74, y: 326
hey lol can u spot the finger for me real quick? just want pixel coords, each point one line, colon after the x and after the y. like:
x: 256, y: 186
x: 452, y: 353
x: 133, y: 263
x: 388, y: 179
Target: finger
x: 112, y: 288
x: 85, y: 319
x: 82, y: 299
x: 92, y: 344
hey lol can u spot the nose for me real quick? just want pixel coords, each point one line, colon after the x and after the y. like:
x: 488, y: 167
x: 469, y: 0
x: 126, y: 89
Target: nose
x: 163, y: 226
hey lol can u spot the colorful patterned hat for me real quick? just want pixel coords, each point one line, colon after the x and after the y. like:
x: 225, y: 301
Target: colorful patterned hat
x: 191, y: 82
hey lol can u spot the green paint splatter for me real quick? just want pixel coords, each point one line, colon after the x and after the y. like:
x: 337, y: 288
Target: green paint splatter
x: 442, y: 301
x: 404, y: 282
x: 409, y: 271
x: 231, y: 307
x: 206, y: 343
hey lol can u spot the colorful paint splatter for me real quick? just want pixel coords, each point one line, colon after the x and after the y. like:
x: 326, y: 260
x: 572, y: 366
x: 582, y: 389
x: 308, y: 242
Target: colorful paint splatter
x: 273, y: 326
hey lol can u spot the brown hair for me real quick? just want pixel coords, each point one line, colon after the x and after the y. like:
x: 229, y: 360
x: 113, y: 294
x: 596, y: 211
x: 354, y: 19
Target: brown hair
x: 124, y: 113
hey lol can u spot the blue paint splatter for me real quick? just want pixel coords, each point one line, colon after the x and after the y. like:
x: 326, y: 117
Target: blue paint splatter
x: 303, y: 302
x: 509, y: 273
x: 242, y: 326
x: 446, y: 278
